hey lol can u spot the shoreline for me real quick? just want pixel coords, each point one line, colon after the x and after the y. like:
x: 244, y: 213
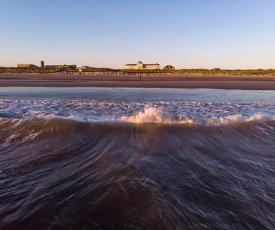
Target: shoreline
x: 242, y: 82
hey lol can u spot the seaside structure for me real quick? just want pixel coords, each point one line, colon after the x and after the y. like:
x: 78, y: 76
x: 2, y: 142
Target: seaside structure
x: 141, y: 66
x: 169, y: 67
x: 22, y: 65
x: 42, y: 64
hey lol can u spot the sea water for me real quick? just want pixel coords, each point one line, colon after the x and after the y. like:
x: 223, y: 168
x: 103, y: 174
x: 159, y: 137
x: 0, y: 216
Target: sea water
x: 128, y: 158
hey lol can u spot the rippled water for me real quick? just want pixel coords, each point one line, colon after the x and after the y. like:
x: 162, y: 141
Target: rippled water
x: 128, y: 163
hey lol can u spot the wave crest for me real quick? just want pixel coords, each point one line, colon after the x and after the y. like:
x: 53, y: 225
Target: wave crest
x: 158, y: 116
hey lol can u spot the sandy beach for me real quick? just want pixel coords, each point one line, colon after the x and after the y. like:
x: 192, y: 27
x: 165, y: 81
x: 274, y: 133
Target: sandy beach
x: 66, y: 80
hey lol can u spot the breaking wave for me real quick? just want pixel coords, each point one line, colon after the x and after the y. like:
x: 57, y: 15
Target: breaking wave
x: 195, y: 113
x: 76, y: 164
x: 156, y: 115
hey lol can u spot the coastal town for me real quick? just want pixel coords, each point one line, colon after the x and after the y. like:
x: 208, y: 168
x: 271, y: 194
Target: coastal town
x: 134, y: 75
x: 139, y: 68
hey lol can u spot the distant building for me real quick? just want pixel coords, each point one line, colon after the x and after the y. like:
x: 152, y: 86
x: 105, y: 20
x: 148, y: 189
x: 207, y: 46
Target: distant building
x: 217, y: 69
x: 141, y: 66
x: 169, y: 67
x: 25, y: 65
x: 42, y: 63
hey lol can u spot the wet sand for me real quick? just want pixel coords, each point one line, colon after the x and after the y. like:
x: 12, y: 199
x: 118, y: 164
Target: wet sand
x: 153, y: 81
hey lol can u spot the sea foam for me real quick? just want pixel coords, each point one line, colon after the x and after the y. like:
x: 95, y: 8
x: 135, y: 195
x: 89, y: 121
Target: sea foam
x: 156, y: 115
x: 209, y: 113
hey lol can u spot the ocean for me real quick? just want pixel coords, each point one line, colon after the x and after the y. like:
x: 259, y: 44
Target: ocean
x: 128, y: 158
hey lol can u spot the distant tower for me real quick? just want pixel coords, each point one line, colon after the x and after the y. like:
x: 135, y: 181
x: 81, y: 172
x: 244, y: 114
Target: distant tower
x: 42, y: 64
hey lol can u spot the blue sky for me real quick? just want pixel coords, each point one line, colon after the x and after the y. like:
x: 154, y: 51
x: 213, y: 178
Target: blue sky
x: 230, y: 34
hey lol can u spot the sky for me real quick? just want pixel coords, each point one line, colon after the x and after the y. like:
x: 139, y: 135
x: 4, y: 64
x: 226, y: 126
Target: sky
x: 227, y: 34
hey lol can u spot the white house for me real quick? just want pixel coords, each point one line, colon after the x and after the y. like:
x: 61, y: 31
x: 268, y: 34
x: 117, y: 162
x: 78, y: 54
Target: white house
x: 142, y: 66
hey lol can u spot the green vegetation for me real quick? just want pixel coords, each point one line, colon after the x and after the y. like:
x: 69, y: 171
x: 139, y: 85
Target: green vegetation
x: 91, y: 69
x: 37, y: 69
x: 251, y: 72
x: 73, y: 69
x: 258, y: 72
x: 52, y: 69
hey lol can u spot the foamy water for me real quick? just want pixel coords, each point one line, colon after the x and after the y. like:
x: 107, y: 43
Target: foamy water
x: 209, y: 113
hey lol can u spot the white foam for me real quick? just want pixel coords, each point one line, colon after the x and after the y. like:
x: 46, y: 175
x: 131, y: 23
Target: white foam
x: 238, y: 118
x: 155, y: 115
x: 210, y: 113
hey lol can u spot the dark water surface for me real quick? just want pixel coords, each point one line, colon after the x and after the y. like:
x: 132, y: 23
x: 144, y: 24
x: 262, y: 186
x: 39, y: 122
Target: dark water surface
x: 73, y: 175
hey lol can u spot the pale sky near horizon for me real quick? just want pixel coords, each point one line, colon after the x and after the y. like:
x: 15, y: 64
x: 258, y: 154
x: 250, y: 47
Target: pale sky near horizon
x: 229, y: 34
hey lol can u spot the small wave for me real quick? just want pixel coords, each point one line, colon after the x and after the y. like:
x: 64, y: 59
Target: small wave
x: 238, y: 118
x: 158, y: 116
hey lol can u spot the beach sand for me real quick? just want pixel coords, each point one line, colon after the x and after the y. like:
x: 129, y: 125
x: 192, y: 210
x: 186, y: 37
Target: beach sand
x: 152, y: 81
